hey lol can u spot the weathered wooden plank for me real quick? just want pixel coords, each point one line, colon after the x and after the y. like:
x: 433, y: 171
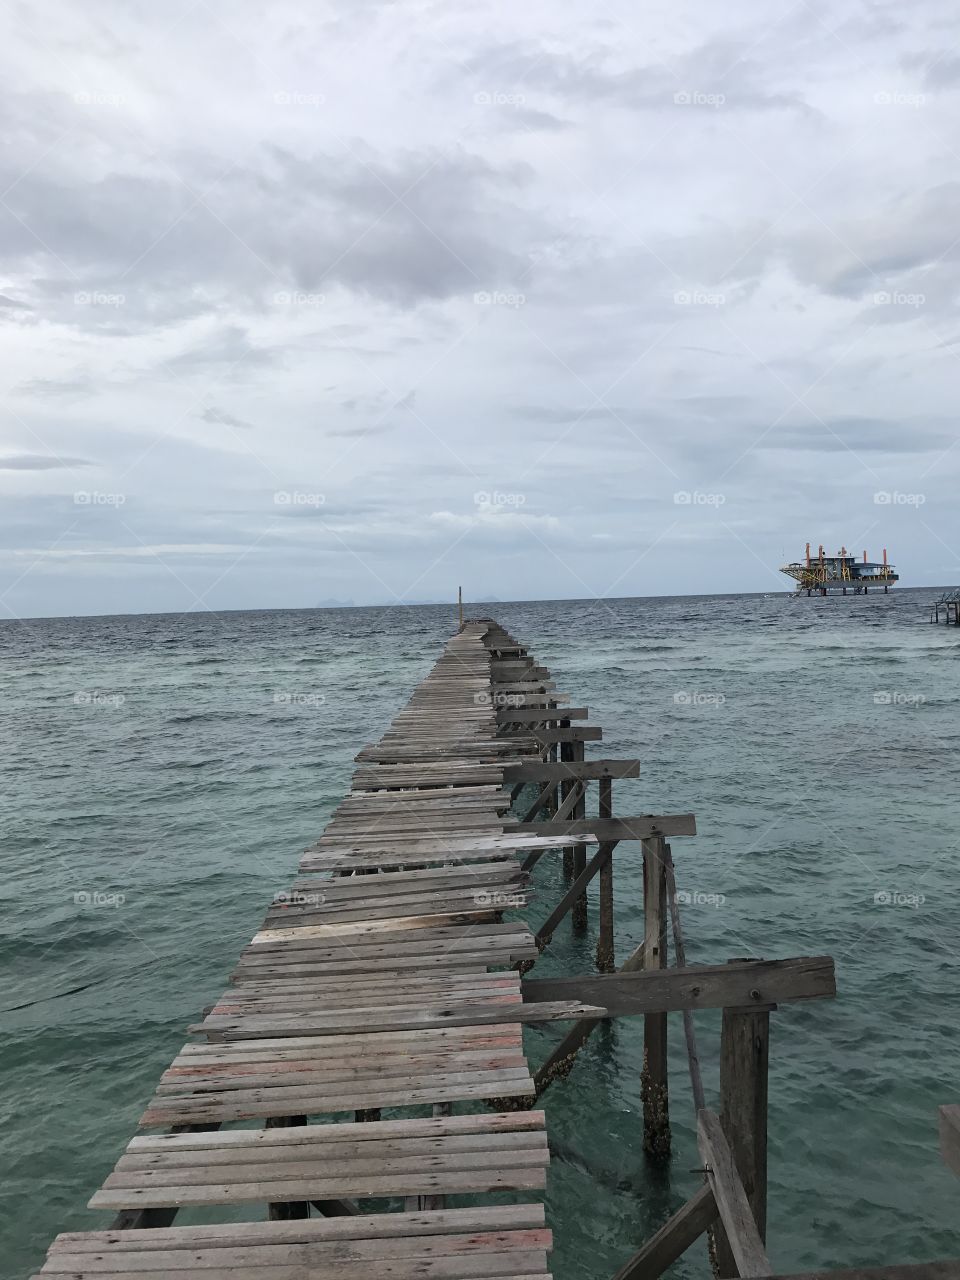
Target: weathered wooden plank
x: 620, y: 829
x: 696, y: 987
x: 559, y: 771
x: 731, y: 1199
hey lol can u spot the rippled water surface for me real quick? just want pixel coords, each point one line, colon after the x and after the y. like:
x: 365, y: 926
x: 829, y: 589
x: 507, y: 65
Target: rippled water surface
x: 160, y: 775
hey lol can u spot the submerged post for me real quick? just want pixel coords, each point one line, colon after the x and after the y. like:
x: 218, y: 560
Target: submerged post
x: 654, y: 1091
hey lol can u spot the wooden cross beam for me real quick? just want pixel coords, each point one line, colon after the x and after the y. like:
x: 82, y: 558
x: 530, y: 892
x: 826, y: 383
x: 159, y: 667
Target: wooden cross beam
x: 605, y: 830
x: 562, y: 771
x: 703, y: 986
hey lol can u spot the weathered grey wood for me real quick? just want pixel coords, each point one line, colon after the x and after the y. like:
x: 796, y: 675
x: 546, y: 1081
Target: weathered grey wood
x: 547, y: 771
x: 950, y: 1136
x: 734, y: 1209
x: 744, y: 1051
x: 695, y: 987
x: 606, y: 960
x: 673, y: 1239
x: 654, y: 1088
x: 620, y: 829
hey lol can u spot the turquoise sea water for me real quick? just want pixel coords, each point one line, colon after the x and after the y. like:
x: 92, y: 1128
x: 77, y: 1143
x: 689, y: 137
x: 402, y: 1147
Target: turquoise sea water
x: 161, y: 774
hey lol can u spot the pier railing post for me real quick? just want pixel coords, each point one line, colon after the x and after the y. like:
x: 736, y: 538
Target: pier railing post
x: 606, y: 959
x: 656, y: 1107
x: 744, y: 1059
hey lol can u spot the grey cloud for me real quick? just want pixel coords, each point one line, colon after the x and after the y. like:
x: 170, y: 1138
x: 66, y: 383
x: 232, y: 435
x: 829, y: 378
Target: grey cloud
x: 40, y: 462
x: 214, y: 415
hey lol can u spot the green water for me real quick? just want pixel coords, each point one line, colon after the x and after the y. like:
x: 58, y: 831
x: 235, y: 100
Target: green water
x: 148, y: 821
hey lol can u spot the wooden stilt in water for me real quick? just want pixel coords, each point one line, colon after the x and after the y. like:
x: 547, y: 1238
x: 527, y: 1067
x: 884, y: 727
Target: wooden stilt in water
x: 606, y: 959
x: 656, y: 1107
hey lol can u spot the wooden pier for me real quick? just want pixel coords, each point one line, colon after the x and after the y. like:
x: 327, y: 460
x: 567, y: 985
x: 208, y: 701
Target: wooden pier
x: 395, y: 975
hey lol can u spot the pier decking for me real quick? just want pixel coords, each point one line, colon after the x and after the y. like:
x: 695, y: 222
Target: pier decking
x: 394, y: 975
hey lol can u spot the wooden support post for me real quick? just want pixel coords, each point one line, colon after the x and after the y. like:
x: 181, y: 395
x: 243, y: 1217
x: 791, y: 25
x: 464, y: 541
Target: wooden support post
x: 654, y: 1090
x: 566, y: 754
x: 680, y: 960
x: 744, y: 1054
x: 579, y: 914
x: 285, y: 1211
x: 606, y: 959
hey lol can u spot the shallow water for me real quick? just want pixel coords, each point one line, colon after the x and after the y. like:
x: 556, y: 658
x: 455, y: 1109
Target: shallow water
x: 160, y: 775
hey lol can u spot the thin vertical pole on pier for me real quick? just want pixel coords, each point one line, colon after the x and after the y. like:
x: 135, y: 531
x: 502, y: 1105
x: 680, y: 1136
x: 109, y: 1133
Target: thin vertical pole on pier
x: 744, y: 1061
x: 460, y: 605
x: 656, y: 1106
x: 579, y: 913
x: 606, y: 959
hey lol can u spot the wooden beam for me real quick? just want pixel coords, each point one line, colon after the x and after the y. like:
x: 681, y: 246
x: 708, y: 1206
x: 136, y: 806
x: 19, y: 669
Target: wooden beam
x: 605, y: 829
x: 536, y: 715
x: 654, y: 1087
x: 744, y: 1050
x: 948, y: 1270
x: 673, y: 1239
x: 606, y: 959
x: 738, y: 1223
x: 535, y: 771
x: 585, y: 733
x: 950, y: 1136
x: 702, y: 986
x: 288, y: 1210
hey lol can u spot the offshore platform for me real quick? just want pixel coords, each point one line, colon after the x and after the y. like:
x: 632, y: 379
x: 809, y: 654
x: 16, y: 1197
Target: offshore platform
x: 841, y: 572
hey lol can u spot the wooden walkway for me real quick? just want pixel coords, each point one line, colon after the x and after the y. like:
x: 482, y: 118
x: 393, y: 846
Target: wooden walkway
x: 393, y: 975
x: 385, y: 978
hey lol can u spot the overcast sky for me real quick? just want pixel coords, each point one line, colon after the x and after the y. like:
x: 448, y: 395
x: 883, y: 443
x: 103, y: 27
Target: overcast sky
x: 363, y: 300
